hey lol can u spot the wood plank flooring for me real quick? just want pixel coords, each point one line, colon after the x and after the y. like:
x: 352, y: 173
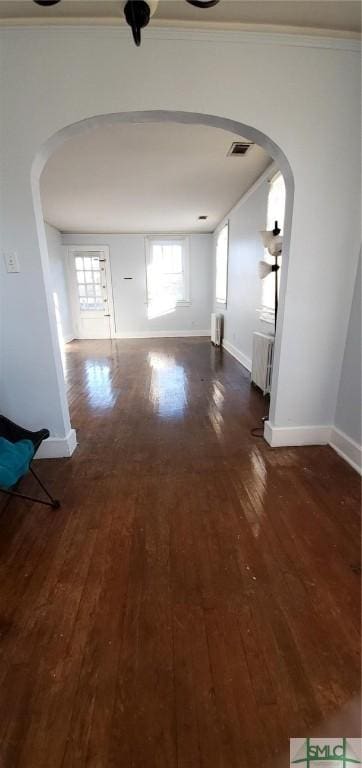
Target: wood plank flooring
x: 195, y: 601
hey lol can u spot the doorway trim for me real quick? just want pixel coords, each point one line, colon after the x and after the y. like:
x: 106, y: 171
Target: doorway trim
x: 71, y: 249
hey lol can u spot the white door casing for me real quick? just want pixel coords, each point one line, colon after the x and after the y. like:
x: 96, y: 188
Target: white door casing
x: 90, y: 286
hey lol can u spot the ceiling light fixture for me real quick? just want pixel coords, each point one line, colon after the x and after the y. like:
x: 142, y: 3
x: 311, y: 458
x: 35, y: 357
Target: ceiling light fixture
x: 203, y: 3
x: 46, y: 2
x: 138, y: 12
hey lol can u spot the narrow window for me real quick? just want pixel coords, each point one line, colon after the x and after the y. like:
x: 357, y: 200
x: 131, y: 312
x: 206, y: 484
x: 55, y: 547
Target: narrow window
x: 167, y: 275
x: 222, y: 264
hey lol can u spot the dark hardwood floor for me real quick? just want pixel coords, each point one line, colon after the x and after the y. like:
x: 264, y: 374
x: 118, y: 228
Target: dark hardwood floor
x: 195, y: 601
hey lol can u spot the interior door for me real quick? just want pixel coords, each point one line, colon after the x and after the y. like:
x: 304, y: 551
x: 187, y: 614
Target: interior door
x: 91, y: 292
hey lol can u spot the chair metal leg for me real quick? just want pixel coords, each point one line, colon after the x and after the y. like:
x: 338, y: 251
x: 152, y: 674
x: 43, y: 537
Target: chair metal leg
x: 54, y: 503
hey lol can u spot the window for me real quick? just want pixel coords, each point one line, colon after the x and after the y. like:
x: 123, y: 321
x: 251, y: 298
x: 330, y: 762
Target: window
x: 88, y: 275
x: 222, y: 264
x: 167, y: 275
x: 275, y: 212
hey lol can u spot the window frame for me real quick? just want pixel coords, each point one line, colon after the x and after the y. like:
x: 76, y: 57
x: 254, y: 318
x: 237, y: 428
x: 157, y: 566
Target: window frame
x: 182, y: 240
x: 219, y: 302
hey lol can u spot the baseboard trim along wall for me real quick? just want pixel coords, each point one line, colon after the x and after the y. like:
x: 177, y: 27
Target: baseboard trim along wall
x: 347, y: 448
x: 160, y: 334
x: 58, y: 447
x: 239, y: 356
x: 279, y: 437
x: 67, y: 339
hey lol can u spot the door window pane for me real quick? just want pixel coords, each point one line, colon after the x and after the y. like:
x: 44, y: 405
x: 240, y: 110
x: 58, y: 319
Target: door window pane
x: 88, y: 276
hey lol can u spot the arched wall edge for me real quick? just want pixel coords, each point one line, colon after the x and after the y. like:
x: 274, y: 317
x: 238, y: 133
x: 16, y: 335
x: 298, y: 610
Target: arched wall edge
x: 163, y: 116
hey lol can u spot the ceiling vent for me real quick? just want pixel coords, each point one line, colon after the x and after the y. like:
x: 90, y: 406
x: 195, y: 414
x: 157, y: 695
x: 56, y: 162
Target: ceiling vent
x: 239, y: 148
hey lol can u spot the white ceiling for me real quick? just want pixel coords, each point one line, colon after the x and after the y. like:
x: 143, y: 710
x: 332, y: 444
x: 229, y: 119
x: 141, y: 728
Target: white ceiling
x: 154, y: 177
x: 342, y: 15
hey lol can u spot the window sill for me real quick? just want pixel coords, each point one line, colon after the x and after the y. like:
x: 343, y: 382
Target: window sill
x: 221, y: 304
x: 174, y: 306
x: 266, y: 316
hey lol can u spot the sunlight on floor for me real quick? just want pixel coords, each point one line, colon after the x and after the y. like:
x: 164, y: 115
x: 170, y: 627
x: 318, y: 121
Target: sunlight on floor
x: 99, y: 385
x: 168, y: 390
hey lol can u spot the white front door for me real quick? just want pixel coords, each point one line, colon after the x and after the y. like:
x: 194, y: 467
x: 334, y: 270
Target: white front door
x: 91, y: 292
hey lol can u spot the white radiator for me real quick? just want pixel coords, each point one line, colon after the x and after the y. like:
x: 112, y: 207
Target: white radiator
x: 262, y: 364
x: 216, y: 327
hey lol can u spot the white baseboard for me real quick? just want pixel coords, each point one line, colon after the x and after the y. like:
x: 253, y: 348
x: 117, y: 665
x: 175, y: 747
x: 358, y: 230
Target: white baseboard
x: 67, y: 339
x: 278, y: 437
x: 239, y: 356
x: 160, y: 334
x: 347, y: 448
x: 58, y: 447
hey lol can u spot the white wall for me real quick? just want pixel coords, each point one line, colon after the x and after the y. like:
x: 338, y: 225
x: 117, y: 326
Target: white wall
x: 241, y: 316
x: 127, y: 256
x: 59, y: 285
x: 231, y: 76
x: 349, y: 403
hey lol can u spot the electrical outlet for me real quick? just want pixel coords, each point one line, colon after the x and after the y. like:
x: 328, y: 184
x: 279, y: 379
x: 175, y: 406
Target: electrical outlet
x: 12, y: 261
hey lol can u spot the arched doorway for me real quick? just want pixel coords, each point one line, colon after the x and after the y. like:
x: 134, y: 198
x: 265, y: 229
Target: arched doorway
x: 188, y: 118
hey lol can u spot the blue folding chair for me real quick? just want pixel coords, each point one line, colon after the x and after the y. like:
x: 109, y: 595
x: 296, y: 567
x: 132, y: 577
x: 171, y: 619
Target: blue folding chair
x: 13, y: 434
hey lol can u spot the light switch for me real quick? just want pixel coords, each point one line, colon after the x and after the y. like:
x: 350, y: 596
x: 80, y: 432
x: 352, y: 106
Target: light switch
x: 12, y: 261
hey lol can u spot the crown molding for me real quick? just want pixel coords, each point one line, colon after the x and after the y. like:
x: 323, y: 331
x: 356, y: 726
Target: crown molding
x: 231, y: 33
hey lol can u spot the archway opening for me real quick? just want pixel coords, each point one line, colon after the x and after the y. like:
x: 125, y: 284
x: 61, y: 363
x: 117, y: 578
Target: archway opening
x: 166, y: 117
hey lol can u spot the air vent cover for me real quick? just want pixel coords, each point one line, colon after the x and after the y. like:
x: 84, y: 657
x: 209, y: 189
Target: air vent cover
x: 239, y: 148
